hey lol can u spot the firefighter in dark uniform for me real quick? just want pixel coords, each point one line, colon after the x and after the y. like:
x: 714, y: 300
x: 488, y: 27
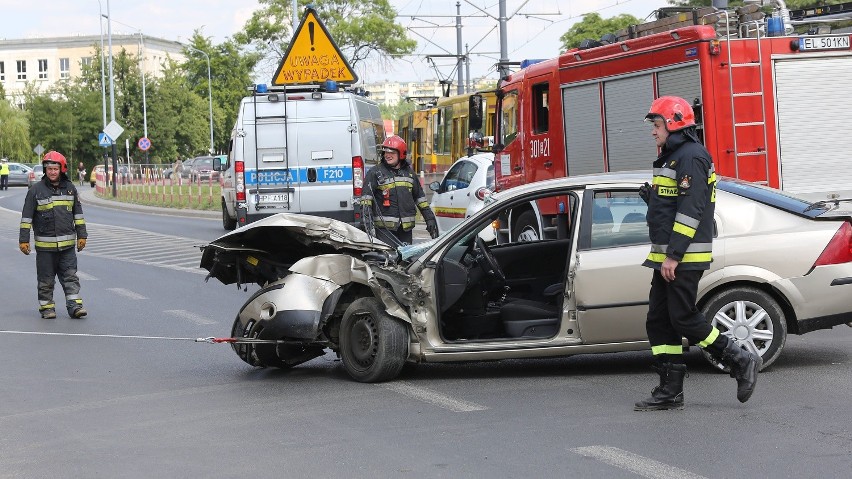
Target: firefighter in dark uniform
x: 392, y: 196
x: 52, y: 211
x: 681, y: 202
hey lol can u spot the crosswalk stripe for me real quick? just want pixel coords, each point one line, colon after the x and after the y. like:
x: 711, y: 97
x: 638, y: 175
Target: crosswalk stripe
x: 634, y: 463
x: 432, y: 397
x: 126, y: 293
x: 195, y: 318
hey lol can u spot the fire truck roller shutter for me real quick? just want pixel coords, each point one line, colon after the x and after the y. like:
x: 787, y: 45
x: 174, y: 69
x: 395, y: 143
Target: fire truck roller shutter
x: 629, y: 142
x: 684, y: 82
x: 814, y: 118
x: 582, y: 110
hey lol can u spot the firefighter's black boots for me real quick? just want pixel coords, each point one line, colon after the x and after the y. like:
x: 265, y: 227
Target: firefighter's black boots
x: 744, y: 366
x: 669, y: 394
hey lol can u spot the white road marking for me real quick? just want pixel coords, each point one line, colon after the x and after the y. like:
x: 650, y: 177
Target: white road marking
x: 195, y: 318
x: 634, y: 463
x: 85, y: 276
x: 432, y: 397
x: 126, y: 293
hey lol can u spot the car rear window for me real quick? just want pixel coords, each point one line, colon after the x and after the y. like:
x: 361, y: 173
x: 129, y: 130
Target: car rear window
x: 772, y: 197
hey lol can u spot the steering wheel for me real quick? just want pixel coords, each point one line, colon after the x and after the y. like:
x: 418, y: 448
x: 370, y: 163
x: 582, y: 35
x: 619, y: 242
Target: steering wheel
x: 487, y: 262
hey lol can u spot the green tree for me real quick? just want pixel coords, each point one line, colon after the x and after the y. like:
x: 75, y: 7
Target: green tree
x: 593, y: 26
x: 177, y: 117
x: 360, y: 29
x: 230, y: 69
x: 14, y: 132
x: 393, y: 112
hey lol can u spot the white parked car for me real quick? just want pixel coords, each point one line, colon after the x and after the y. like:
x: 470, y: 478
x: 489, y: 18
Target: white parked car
x: 462, y: 192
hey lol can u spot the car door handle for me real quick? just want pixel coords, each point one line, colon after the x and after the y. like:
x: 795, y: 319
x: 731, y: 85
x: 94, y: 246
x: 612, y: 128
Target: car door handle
x: 548, y: 164
x: 517, y: 168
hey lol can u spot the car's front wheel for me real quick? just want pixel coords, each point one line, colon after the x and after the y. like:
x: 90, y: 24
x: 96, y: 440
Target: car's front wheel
x: 373, y: 344
x: 750, y: 317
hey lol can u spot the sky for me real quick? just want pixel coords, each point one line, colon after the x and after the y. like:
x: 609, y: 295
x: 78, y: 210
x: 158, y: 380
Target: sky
x: 534, y: 26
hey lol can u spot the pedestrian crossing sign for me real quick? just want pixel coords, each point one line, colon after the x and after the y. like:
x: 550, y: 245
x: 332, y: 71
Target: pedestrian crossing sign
x: 313, y: 57
x: 104, y: 139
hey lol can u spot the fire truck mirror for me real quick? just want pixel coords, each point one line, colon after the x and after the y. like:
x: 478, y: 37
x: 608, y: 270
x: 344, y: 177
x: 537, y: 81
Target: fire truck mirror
x: 696, y: 108
x: 474, y: 116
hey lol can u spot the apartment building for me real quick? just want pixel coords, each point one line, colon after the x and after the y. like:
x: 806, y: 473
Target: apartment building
x: 46, y: 61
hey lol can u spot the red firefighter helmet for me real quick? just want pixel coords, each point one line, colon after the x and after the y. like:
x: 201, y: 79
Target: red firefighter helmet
x: 397, y: 144
x: 55, y: 157
x: 674, y: 110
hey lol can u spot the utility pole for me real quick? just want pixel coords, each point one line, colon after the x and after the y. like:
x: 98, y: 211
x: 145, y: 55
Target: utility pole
x: 112, y: 105
x: 504, y: 49
x: 460, y: 73
x: 144, y: 100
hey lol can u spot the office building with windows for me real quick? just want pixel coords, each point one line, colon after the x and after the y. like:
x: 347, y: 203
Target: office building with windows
x: 43, y: 62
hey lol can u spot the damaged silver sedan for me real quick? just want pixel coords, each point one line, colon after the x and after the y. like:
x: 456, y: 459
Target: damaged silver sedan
x: 574, y: 285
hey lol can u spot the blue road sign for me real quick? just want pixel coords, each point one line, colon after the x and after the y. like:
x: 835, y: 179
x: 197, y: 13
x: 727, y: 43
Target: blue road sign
x: 104, y: 139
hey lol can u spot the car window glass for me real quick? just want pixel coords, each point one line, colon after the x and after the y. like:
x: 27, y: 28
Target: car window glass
x: 466, y: 174
x: 509, y: 126
x: 618, y: 219
x: 451, y: 181
x: 489, y: 177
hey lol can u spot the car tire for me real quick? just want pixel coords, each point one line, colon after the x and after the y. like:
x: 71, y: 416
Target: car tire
x: 526, y: 228
x: 373, y: 344
x: 732, y: 310
x: 283, y: 355
x: 227, y: 222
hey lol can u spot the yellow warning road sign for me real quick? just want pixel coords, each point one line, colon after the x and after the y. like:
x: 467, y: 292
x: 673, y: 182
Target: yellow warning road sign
x: 313, y: 57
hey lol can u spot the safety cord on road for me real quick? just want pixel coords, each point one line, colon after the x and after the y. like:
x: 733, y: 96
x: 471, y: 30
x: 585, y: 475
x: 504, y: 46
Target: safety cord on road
x: 210, y: 340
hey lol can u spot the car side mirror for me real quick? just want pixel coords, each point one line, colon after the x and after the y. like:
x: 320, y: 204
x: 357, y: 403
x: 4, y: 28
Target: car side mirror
x: 435, y: 186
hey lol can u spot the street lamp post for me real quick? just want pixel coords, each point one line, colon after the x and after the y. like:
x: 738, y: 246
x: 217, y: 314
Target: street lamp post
x: 112, y: 104
x: 209, y: 91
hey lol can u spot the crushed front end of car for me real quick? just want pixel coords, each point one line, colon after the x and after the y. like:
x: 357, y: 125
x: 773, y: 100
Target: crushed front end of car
x: 310, y: 271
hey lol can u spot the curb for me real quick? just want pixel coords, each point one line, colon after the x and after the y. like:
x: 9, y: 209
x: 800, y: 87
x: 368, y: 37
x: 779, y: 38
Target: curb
x: 88, y: 197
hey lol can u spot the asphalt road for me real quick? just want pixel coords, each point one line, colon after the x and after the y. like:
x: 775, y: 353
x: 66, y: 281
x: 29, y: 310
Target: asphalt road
x: 75, y: 403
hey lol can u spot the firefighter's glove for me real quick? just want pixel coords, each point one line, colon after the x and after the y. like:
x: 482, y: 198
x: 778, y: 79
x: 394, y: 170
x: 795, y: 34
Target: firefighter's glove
x: 367, y: 219
x: 81, y: 243
x: 432, y: 228
x: 25, y: 248
x: 645, y: 192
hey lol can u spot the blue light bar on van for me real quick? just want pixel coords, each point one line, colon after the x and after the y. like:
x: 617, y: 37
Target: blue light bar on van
x: 330, y: 86
x: 261, y: 88
x: 532, y: 61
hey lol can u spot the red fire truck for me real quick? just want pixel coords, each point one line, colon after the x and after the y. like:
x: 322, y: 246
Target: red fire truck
x: 775, y: 110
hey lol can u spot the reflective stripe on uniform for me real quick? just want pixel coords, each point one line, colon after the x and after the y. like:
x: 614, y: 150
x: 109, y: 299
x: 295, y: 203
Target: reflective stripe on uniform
x: 709, y: 339
x: 667, y: 349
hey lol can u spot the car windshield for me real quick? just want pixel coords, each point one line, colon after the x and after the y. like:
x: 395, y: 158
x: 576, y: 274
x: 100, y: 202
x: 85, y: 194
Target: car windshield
x: 409, y: 253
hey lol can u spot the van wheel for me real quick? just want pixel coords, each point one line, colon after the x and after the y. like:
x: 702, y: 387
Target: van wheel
x: 227, y: 222
x: 373, y: 344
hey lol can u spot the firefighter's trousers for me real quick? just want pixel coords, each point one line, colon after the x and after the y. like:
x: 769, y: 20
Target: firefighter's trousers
x: 672, y: 315
x: 49, y: 265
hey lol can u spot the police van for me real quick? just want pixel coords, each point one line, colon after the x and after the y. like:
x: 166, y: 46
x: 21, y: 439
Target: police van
x: 301, y: 150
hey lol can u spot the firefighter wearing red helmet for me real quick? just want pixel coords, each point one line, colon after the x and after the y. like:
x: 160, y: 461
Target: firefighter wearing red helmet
x: 53, y: 213
x: 392, y: 195
x: 681, y: 202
